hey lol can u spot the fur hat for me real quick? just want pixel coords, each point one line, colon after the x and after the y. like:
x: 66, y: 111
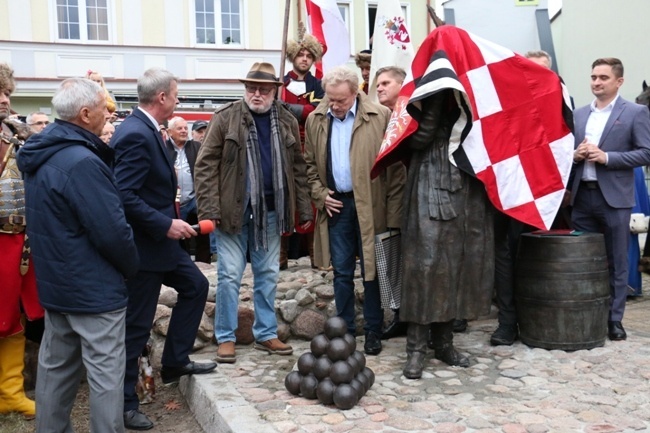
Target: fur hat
x: 7, y: 81
x: 305, y: 41
x: 261, y: 72
x: 362, y: 57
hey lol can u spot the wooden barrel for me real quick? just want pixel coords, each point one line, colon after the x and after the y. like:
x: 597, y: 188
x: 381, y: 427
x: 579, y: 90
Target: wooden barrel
x: 562, y: 291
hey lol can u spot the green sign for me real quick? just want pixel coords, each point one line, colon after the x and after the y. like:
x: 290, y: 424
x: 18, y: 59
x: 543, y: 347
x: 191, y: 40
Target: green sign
x: 526, y: 2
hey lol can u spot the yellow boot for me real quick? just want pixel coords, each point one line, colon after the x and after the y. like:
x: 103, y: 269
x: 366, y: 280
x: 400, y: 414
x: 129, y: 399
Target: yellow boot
x: 12, y: 391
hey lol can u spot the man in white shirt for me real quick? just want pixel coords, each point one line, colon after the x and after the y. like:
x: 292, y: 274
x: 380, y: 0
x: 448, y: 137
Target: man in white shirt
x: 612, y: 137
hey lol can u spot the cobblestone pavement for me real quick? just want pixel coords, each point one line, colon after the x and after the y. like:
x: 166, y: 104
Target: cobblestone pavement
x: 509, y: 389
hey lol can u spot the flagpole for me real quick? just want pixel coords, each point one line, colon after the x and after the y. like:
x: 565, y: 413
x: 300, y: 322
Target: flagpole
x: 285, y: 31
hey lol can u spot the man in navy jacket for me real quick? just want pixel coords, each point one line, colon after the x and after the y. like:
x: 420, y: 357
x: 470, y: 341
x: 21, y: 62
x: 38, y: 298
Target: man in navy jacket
x: 147, y: 181
x: 82, y: 249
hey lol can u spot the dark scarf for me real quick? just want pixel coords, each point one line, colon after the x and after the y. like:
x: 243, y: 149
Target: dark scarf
x: 256, y: 181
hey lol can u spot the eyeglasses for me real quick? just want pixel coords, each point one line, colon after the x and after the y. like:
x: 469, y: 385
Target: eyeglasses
x: 263, y: 90
x: 43, y: 122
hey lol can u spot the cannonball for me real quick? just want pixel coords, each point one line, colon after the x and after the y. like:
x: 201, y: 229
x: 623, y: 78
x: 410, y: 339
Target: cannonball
x: 308, y: 386
x: 292, y: 382
x: 341, y: 372
x: 358, y: 387
x: 335, y: 327
x: 371, y: 376
x: 325, y: 391
x: 345, y: 397
x: 305, y: 363
x: 352, y: 342
x: 365, y: 381
x: 354, y: 364
x: 361, y: 358
x: 322, y: 367
x: 338, y: 350
x: 319, y: 345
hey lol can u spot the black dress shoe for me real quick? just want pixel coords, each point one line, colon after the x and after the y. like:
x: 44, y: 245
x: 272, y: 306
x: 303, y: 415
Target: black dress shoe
x: 505, y: 335
x: 372, y: 345
x: 136, y: 420
x: 615, y: 331
x: 171, y: 375
x: 395, y: 329
x: 460, y: 325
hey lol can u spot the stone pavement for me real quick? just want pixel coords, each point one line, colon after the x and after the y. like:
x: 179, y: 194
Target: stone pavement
x: 512, y: 389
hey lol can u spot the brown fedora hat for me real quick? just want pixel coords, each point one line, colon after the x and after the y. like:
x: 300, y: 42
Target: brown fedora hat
x: 261, y: 72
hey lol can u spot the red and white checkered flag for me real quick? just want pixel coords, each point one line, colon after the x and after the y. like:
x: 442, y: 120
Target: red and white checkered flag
x: 514, y: 130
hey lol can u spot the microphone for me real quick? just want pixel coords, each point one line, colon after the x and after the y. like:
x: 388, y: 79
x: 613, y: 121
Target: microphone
x: 203, y: 227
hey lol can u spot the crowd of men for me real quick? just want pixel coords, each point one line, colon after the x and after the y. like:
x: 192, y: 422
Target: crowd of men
x: 111, y: 213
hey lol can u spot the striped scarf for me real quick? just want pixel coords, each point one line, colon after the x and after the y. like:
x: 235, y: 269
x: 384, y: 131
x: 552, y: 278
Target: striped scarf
x: 256, y: 181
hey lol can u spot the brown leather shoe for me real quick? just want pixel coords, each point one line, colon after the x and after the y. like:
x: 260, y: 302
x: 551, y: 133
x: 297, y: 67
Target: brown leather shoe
x: 226, y: 352
x: 274, y: 346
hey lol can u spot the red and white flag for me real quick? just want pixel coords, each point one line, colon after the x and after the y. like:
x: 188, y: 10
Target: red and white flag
x: 514, y: 129
x: 391, y: 44
x: 328, y: 27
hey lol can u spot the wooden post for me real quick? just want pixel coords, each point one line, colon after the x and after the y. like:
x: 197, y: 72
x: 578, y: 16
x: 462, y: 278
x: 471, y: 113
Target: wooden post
x: 285, y: 31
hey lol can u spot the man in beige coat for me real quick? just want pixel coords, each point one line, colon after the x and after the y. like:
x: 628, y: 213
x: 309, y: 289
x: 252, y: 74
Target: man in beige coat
x: 342, y: 139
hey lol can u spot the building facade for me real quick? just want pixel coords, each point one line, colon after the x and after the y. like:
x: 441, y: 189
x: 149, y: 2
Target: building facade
x: 209, y: 44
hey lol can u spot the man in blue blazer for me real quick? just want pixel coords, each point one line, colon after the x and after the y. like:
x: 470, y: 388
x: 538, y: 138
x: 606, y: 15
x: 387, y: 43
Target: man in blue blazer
x: 612, y: 137
x: 147, y: 181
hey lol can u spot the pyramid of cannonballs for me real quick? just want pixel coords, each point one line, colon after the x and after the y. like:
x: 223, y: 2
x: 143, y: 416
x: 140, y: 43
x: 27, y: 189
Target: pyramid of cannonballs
x: 333, y: 371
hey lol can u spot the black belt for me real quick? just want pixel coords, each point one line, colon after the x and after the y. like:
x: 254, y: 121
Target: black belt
x: 590, y: 184
x: 349, y: 194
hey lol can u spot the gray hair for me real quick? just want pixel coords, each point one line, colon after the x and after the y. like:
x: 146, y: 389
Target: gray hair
x: 153, y: 82
x: 396, y: 73
x: 341, y: 74
x: 75, y: 94
x: 174, y: 120
x: 539, y: 53
x: 30, y: 116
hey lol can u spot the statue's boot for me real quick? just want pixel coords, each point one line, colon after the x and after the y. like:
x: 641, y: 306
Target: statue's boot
x: 416, y: 350
x: 442, y: 342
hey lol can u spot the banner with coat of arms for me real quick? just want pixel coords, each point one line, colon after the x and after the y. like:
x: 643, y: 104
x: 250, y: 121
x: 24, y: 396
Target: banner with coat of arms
x: 391, y: 44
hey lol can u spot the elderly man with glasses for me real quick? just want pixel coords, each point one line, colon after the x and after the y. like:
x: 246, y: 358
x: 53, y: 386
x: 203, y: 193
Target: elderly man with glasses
x: 250, y: 177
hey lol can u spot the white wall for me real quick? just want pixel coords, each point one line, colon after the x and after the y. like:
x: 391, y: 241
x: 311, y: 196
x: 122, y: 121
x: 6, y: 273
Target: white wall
x: 590, y: 29
x: 499, y: 21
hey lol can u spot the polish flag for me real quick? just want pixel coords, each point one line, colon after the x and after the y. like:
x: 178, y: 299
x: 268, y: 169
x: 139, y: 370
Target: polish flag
x: 328, y: 27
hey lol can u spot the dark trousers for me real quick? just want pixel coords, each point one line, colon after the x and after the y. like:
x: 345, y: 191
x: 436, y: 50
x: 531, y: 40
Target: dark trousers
x: 200, y: 244
x: 591, y: 213
x: 345, y: 244
x: 506, y: 241
x: 144, y: 290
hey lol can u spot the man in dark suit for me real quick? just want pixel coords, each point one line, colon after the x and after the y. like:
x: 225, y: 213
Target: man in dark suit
x: 612, y: 137
x: 145, y: 175
x: 183, y: 152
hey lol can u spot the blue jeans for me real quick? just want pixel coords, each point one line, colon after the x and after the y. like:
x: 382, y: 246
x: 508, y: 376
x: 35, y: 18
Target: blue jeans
x: 345, y: 244
x: 231, y: 250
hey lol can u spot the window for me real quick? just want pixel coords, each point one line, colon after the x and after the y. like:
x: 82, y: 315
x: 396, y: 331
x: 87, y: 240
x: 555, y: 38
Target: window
x: 344, y: 9
x: 218, y: 18
x: 82, y: 20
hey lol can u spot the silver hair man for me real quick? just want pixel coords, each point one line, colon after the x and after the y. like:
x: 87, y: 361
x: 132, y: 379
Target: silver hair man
x: 154, y: 81
x: 74, y: 94
x: 341, y: 74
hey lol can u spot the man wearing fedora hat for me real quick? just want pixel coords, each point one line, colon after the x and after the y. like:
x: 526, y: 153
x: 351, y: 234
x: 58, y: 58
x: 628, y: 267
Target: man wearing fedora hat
x: 250, y: 179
